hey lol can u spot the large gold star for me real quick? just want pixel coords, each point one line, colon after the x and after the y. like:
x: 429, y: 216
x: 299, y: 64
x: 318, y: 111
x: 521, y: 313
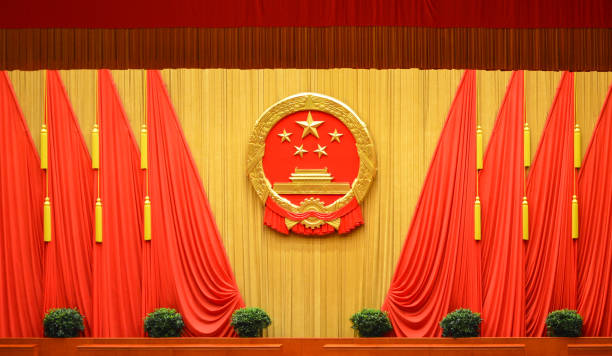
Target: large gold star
x: 299, y: 151
x: 321, y: 150
x: 285, y: 136
x: 335, y: 136
x: 310, y: 126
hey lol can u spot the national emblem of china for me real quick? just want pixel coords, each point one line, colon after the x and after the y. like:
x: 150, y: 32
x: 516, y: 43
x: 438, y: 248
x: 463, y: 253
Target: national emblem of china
x: 311, y: 161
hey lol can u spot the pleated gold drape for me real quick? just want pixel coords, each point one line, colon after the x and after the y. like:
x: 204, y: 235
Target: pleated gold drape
x: 311, y: 286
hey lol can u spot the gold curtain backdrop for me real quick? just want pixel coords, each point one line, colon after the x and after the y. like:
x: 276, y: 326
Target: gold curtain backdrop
x: 311, y: 286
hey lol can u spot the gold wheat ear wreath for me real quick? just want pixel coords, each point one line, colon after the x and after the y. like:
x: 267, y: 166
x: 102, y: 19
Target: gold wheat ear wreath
x: 311, y: 102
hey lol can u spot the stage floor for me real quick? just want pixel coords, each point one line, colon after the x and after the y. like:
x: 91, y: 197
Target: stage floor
x: 305, y: 346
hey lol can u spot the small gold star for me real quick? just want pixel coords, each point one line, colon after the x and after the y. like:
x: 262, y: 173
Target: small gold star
x: 321, y: 150
x: 300, y: 151
x: 285, y: 136
x: 335, y: 136
x: 310, y: 126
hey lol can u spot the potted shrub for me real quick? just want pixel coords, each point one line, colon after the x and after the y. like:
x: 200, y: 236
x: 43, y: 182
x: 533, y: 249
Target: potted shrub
x: 564, y: 323
x: 461, y: 323
x: 63, y: 322
x: 164, y: 322
x: 250, y: 322
x: 371, y: 323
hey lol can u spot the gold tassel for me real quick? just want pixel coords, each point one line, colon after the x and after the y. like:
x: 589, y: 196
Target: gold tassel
x: 477, y: 230
x: 577, y: 142
x: 95, y: 148
x: 47, y: 220
x: 526, y: 145
x: 99, y: 221
x: 525, y: 207
x: 574, y: 217
x: 478, y: 147
x: 143, y: 147
x: 43, y: 147
x: 147, y: 219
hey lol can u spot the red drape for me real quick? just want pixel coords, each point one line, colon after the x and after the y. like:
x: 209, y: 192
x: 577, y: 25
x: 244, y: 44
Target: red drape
x: 550, y: 256
x: 117, y: 267
x: 594, y: 242
x: 68, y: 257
x: 439, y: 268
x: 501, y: 189
x: 185, y: 263
x: 21, y: 240
x: 248, y: 13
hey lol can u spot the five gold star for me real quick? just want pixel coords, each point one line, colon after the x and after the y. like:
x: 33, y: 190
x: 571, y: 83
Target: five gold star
x: 310, y: 126
x: 285, y: 136
x: 300, y: 151
x: 335, y: 136
x: 321, y: 150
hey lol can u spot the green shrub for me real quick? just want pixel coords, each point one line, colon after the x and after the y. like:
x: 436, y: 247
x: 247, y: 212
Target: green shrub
x: 63, y: 322
x: 564, y: 323
x: 461, y: 323
x: 371, y: 323
x: 250, y: 322
x: 164, y: 322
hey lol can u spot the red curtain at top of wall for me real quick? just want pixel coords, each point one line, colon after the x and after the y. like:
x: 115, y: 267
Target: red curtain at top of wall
x: 501, y: 189
x: 439, y: 268
x: 305, y: 13
x: 68, y: 257
x: 117, y: 267
x: 21, y: 240
x: 185, y: 262
x: 594, y: 242
x: 550, y: 256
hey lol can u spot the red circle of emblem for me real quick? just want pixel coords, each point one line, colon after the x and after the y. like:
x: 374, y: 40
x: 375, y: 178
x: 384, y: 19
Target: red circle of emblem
x: 311, y: 160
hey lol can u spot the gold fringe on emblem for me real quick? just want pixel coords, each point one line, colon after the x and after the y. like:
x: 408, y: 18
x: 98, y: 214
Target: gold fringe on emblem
x: 525, y: 209
x: 147, y: 219
x: 477, y: 213
x: 290, y: 223
x: 526, y: 146
x: 47, y: 220
x: 478, y: 147
x: 577, y: 142
x: 574, y: 217
x: 95, y: 147
x: 99, y: 220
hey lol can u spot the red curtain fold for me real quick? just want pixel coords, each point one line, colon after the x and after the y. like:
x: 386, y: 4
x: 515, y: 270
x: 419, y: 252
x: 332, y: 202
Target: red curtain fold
x: 185, y: 263
x: 594, y: 243
x: 501, y: 189
x: 68, y: 257
x: 117, y: 262
x: 21, y: 223
x: 439, y: 267
x: 550, y: 254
